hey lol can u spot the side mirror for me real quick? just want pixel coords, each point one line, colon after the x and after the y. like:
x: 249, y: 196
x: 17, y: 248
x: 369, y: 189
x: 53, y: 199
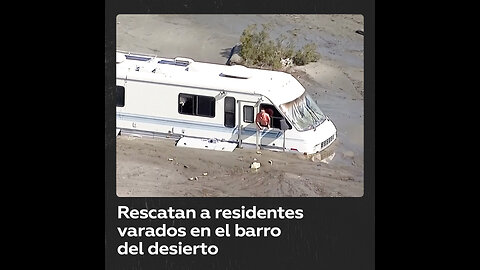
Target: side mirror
x: 283, y: 124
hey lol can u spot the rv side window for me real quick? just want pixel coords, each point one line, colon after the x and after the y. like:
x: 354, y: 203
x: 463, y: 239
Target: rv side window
x: 275, y: 116
x: 186, y: 104
x: 196, y: 105
x: 120, y: 92
x: 205, y: 106
x: 229, y: 112
x: 248, y: 114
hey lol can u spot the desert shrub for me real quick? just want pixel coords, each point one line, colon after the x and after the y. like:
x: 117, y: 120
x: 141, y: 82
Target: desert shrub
x: 259, y: 50
x: 306, y: 55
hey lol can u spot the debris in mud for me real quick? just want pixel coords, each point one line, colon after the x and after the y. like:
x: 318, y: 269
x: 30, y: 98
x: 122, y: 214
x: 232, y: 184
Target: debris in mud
x: 360, y: 32
x: 185, y: 166
x: 255, y: 165
x: 170, y: 159
x: 205, y: 174
x: 235, y: 57
x: 328, y: 159
x: 348, y: 154
x: 196, y: 178
x: 259, y: 152
x: 270, y: 161
x: 191, y: 178
x: 286, y: 62
x: 335, y: 194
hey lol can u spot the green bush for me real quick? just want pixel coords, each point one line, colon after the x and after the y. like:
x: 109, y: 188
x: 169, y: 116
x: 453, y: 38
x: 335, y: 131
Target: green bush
x: 259, y: 50
x: 306, y: 55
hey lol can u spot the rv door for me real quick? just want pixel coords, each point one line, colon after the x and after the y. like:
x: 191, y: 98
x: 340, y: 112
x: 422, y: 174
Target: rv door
x: 246, y: 119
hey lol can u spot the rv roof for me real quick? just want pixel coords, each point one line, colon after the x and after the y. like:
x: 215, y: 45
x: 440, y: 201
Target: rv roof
x: 279, y: 87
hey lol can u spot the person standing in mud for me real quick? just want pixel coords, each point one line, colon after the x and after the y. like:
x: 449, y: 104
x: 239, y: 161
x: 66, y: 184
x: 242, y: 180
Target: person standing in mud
x: 262, y: 120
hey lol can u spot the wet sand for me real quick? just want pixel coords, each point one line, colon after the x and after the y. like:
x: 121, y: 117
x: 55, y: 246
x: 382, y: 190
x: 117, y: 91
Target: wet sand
x: 336, y: 82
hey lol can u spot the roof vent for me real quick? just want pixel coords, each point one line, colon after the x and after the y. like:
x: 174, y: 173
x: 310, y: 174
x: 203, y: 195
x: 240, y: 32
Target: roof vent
x: 137, y: 58
x: 179, y: 61
x: 231, y: 76
x: 183, y: 60
x: 236, y: 72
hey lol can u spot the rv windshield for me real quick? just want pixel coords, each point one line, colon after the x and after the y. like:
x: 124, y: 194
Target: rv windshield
x: 303, y: 112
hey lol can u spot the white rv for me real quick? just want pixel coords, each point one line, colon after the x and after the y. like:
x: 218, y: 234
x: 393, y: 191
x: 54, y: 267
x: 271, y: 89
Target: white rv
x: 183, y: 98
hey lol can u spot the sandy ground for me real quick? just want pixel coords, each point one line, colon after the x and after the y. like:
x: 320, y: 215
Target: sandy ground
x: 336, y: 82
